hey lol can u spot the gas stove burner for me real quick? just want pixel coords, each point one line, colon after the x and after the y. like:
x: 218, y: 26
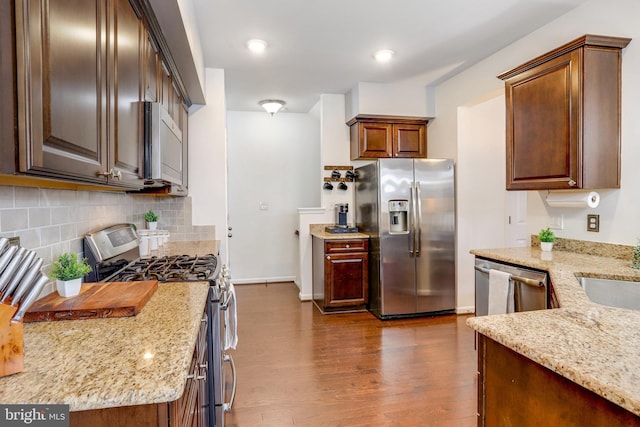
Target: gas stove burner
x: 176, y: 268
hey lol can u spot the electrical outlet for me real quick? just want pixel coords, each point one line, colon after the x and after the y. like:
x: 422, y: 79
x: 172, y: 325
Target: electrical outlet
x: 15, y: 241
x: 593, y: 222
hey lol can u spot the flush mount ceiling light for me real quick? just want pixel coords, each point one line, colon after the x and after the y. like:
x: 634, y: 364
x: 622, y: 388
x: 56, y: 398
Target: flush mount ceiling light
x: 384, y: 55
x: 257, y: 45
x: 272, y: 106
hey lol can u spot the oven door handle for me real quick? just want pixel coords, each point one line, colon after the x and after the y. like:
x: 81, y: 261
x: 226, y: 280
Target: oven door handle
x: 228, y: 406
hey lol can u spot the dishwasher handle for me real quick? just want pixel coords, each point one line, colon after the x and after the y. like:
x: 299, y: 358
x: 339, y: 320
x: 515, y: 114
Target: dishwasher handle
x: 526, y: 281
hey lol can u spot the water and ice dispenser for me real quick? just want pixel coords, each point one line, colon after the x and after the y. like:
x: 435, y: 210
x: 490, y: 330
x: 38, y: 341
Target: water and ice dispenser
x: 398, y: 210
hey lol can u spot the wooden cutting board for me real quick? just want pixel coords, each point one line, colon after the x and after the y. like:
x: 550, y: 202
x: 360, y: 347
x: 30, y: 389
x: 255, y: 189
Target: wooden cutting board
x: 95, y: 301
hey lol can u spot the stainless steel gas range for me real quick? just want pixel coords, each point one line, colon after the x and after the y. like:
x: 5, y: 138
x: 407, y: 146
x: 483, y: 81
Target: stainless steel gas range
x: 113, y: 255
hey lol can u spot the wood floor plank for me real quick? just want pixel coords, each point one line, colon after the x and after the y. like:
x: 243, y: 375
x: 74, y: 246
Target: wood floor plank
x: 297, y: 367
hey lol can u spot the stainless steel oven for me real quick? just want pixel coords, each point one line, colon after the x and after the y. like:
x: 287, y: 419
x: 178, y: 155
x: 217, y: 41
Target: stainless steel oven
x: 113, y: 255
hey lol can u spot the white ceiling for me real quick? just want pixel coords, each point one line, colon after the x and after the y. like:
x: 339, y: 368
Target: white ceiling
x: 326, y: 46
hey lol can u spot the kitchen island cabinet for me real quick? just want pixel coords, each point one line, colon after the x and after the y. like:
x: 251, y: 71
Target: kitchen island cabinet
x: 340, y: 265
x: 563, y: 117
x: 515, y: 391
x: 136, y: 369
x: 583, y: 353
x: 374, y: 137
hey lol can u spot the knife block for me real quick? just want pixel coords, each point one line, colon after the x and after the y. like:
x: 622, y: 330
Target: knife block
x: 11, y: 342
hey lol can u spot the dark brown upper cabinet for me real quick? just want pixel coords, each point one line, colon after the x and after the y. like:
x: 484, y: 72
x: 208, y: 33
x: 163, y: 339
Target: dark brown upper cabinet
x: 563, y: 117
x: 374, y: 137
x: 78, y: 90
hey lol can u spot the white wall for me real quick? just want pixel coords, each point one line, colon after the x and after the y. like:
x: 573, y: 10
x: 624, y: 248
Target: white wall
x: 273, y: 161
x: 208, y: 159
x: 480, y: 188
x: 389, y: 99
x: 619, y: 209
x: 334, y: 151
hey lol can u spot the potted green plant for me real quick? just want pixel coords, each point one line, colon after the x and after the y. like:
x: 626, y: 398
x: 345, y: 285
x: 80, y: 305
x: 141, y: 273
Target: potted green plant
x: 547, y: 238
x: 69, y: 271
x: 152, y: 219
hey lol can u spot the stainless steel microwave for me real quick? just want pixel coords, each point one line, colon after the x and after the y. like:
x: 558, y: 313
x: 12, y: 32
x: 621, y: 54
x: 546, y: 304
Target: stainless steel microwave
x: 162, y: 146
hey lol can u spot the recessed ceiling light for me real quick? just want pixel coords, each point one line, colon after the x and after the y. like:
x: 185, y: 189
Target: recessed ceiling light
x: 383, y: 55
x: 256, y: 45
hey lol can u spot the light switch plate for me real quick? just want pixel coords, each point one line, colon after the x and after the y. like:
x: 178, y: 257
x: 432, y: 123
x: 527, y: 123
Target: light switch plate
x: 556, y: 222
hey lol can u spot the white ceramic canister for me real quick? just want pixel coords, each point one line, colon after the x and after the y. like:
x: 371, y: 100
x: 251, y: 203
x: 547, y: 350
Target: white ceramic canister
x: 153, y: 240
x: 144, y: 246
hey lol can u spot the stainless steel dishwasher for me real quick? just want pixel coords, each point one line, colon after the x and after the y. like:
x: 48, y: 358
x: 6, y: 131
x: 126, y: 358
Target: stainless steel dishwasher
x: 529, y: 286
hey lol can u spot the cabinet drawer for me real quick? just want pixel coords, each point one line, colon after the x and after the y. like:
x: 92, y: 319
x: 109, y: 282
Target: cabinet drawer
x: 341, y: 246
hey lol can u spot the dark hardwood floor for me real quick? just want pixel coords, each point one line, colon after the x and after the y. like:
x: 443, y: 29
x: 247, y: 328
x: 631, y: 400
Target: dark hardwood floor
x: 298, y: 367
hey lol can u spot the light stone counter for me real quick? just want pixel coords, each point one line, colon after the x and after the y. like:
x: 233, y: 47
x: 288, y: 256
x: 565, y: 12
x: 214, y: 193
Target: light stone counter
x: 201, y: 247
x: 318, y: 230
x: 102, y: 363
x: 592, y: 345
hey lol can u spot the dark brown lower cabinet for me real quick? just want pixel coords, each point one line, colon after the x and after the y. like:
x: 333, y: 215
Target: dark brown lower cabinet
x: 191, y: 409
x: 515, y: 391
x: 340, y: 274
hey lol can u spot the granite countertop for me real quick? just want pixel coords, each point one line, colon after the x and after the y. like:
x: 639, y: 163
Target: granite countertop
x: 318, y: 230
x: 200, y: 247
x: 595, y: 346
x: 102, y: 363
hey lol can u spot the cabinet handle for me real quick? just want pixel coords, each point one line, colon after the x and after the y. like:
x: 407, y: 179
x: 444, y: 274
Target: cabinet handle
x: 328, y: 257
x: 347, y: 246
x: 113, y: 174
x: 572, y: 183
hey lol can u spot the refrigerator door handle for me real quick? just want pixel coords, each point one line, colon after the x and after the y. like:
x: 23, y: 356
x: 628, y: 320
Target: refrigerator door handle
x: 412, y: 225
x: 418, y: 225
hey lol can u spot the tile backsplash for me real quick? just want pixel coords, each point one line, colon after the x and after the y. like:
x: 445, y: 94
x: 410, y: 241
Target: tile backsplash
x: 52, y: 221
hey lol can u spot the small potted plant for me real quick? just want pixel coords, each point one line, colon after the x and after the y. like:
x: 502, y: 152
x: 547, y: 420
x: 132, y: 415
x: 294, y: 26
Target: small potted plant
x: 547, y: 238
x: 69, y: 271
x: 152, y: 219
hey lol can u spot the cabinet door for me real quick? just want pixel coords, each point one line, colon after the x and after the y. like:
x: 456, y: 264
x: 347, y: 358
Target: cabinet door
x: 543, y: 110
x: 409, y: 140
x: 374, y: 140
x: 151, y: 69
x: 62, y: 89
x: 127, y: 92
x: 346, y: 279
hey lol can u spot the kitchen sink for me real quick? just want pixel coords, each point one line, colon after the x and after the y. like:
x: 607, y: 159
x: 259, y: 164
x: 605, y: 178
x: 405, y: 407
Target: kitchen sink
x: 613, y: 293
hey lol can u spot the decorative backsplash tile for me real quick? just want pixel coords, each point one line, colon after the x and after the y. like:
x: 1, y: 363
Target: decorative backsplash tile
x: 53, y: 221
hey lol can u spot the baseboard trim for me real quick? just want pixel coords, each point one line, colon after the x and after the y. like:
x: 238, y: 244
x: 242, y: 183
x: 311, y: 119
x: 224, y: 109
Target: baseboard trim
x: 259, y: 280
x: 465, y: 310
x: 305, y: 297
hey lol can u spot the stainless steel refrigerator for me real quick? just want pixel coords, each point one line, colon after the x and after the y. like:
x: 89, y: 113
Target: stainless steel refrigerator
x: 407, y: 207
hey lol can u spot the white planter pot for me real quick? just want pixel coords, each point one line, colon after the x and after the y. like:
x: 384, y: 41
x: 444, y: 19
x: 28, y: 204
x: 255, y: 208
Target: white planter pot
x: 152, y: 225
x: 546, y: 246
x: 69, y: 288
